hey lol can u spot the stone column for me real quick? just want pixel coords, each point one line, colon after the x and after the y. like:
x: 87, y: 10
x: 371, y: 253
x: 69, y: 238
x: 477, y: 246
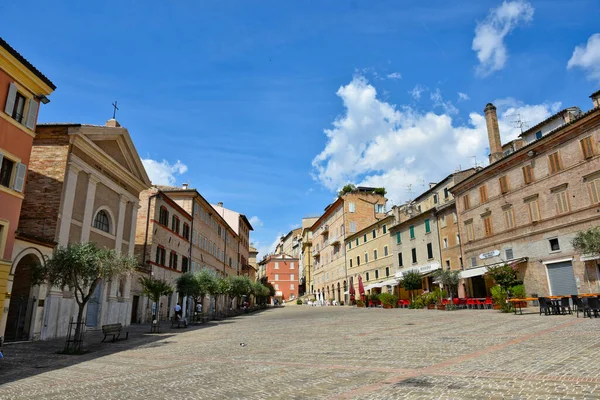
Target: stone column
x: 88, y: 213
x: 67, y: 204
x: 120, y: 223
x: 134, y: 213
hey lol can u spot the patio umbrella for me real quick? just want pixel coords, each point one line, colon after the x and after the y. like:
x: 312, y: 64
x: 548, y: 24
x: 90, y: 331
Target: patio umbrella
x: 361, y: 288
x: 351, y: 292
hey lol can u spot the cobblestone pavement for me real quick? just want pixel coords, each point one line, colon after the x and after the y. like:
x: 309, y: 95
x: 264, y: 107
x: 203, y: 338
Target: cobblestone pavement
x: 301, y: 352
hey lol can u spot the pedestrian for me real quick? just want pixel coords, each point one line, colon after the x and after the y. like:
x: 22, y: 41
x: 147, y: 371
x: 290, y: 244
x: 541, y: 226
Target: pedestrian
x: 178, y: 311
x: 199, y: 308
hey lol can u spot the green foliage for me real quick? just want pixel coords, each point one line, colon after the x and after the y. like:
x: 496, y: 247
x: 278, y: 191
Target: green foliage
x: 299, y: 302
x: 388, y: 299
x: 239, y: 286
x: 505, y: 275
x: 374, y: 297
x: 207, y: 281
x: 188, y: 285
x: 499, y: 296
x: 380, y: 191
x: 265, y: 282
x: 80, y: 267
x: 517, y: 291
x: 346, y: 189
x: 438, y: 294
x: 360, y: 303
x: 155, y: 288
x: 417, y: 303
x: 587, y: 242
x: 411, y: 280
x: 450, y: 280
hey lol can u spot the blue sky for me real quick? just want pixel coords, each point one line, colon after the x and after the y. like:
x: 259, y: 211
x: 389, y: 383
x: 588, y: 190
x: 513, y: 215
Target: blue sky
x: 269, y: 106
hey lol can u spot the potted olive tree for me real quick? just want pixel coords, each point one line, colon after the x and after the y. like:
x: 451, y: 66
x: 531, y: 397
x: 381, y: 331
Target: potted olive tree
x: 388, y: 300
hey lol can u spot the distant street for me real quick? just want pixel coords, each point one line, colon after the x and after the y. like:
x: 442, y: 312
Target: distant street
x: 301, y: 352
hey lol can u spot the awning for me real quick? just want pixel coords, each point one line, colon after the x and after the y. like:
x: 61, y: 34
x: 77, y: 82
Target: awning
x: 471, y: 272
x: 478, y: 271
x: 421, y: 269
x: 389, y: 282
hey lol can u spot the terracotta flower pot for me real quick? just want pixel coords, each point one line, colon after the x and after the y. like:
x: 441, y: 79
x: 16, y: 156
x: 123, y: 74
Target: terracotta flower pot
x: 431, y: 306
x: 441, y: 307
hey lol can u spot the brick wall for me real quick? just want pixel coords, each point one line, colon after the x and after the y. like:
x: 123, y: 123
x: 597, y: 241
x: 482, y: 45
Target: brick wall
x: 45, y: 178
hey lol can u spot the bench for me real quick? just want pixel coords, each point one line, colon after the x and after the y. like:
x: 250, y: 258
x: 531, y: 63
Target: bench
x: 179, y: 322
x: 114, y: 330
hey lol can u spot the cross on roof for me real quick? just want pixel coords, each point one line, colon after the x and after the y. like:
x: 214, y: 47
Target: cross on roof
x: 115, y: 109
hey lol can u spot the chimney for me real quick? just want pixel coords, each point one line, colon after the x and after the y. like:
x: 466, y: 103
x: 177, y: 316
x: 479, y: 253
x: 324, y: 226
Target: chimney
x: 596, y: 99
x: 184, y: 186
x: 491, y: 120
x: 432, y: 184
x: 113, y: 123
x: 220, y: 204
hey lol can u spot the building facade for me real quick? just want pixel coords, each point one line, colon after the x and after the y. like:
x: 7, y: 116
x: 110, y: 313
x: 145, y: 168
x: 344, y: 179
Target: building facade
x: 282, y: 272
x: 22, y: 87
x: 350, y: 213
x: 163, y: 249
x: 306, y: 259
x: 525, y: 208
x: 90, y: 178
x: 369, y: 254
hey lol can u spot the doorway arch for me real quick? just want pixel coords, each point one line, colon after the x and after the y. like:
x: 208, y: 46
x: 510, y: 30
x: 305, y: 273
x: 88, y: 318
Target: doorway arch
x: 22, y: 302
x: 339, y: 295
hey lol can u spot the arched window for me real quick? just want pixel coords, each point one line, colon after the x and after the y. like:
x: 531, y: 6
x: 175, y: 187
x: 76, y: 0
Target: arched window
x: 101, y: 221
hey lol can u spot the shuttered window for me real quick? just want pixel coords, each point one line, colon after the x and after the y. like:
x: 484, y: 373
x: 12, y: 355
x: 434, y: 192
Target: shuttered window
x: 527, y: 174
x: 429, y: 251
x: 483, y: 197
x: 466, y: 202
x: 534, y: 210
x: 594, y: 188
x: 427, y: 226
x: 509, y: 218
x: 487, y: 226
x: 504, y: 188
x: 554, y: 162
x: 469, y: 230
x: 412, y: 231
x: 587, y: 147
x: 562, y: 202
x: 398, y: 238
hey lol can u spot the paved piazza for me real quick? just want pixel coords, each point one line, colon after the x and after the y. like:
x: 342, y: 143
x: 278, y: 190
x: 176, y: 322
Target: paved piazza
x: 301, y: 352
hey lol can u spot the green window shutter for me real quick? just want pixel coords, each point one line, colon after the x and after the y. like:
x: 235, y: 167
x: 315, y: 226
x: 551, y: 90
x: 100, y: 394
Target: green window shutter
x: 412, y: 231
x: 427, y: 226
x: 398, y: 238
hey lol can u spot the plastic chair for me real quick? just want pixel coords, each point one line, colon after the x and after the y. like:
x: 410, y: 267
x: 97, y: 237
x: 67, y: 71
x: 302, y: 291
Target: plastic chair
x: 565, y: 305
x: 480, y: 304
x: 489, y: 303
x: 593, y: 305
x: 470, y: 303
x: 545, y: 306
x: 462, y: 302
x: 456, y: 302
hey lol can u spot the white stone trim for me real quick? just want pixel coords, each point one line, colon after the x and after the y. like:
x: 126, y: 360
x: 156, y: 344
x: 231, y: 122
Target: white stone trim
x: 120, y: 223
x: 557, y: 260
x: 88, y: 208
x: 111, y: 223
x: 99, y: 232
x: 67, y: 203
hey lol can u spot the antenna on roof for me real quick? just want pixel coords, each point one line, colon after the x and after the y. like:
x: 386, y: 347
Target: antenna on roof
x: 475, y: 163
x: 520, y: 123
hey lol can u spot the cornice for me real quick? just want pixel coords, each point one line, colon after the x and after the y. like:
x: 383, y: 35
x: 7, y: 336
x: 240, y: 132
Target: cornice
x: 22, y: 74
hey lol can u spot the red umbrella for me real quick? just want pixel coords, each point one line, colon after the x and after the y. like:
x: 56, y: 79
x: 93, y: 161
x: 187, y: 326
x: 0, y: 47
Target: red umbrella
x: 351, y: 291
x: 361, y: 288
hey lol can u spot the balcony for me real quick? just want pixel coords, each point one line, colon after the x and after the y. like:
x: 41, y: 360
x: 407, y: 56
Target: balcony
x: 334, y: 241
x: 324, y: 229
x: 316, y: 253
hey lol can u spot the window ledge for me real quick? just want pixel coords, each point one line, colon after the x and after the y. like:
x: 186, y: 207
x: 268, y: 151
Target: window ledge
x: 555, y: 251
x: 12, y: 192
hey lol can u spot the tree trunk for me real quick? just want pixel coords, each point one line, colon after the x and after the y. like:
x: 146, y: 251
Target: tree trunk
x: 79, y: 329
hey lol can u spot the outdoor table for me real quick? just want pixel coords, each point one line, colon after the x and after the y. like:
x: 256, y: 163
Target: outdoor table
x: 518, y: 301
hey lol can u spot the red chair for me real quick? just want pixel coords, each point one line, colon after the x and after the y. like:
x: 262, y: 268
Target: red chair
x: 444, y: 302
x: 456, y: 302
x: 479, y: 303
x: 489, y: 303
x: 462, y: 302
x: 470, y: 303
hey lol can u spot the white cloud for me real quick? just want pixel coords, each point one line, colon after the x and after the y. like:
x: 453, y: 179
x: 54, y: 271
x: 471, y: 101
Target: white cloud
x: 463, y: 96
x: 163, y: 173
x: 587, y: 57
x: 263, y: 250
x: 375, y: 143
x: 395, y: 75
x: 416, y: 92
x: 255, y: 221
x: 490, y: 34
x: 438, y: 101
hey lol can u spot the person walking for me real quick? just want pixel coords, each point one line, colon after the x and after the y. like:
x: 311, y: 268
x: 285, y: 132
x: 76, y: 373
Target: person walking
x: 178, y: 311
